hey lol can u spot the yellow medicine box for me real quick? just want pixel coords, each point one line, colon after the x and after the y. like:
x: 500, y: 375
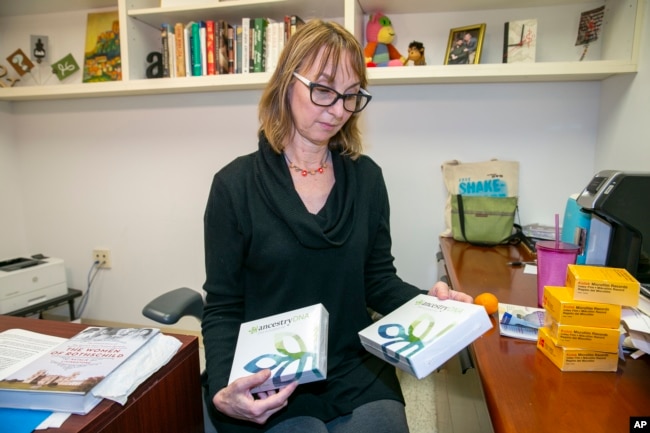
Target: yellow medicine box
x: 570, y: 359
x: 603, y: 284
x: 585, y: 337
x: 562, y: 308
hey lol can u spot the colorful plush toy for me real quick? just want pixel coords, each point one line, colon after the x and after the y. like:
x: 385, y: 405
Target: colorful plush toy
x: 379, y: 50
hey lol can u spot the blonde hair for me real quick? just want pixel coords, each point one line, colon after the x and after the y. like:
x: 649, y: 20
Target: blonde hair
x: 302, y: 49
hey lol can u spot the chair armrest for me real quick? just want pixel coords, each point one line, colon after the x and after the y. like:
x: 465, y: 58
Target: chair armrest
x: 169, y: 307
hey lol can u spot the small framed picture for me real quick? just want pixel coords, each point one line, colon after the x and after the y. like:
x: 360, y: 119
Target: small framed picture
x: 465, y: 44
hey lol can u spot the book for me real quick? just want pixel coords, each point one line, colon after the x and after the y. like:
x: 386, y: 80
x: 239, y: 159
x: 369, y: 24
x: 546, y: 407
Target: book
x: 259, y: 44
x: 422, y: 334
x: 195, y: 49
x: 222, y: 46
x: 275, y: 36
x: 187, y: 39
x: 294, y: 24
x: 238, y: 48
x: 63, y: 378
x: 210, y: 48
x: 518, y: 321
x: 171, y: 46
x: 519, y: 41
x: 231, y: 49
x: 164, y: 39
x: 203, y: 38
x: 179, y: 39
x: 245, y: 45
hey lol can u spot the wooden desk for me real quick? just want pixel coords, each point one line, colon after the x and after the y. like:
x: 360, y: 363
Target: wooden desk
x: 525, y: 391
x: 169, y: 401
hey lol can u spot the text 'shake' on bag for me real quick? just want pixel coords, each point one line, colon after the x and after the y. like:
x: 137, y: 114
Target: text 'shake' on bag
x: 493, y: 178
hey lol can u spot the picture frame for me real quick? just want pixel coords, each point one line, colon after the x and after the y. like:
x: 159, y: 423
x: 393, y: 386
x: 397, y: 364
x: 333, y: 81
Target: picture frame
x: 465, y: 45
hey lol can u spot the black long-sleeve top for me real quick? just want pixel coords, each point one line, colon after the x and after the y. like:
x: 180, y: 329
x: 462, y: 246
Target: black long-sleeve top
x: 265, y: 254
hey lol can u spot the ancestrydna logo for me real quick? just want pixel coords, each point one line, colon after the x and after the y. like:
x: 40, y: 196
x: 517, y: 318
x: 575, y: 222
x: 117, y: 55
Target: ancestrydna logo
x: 276, y: 324
x: 438, y: 307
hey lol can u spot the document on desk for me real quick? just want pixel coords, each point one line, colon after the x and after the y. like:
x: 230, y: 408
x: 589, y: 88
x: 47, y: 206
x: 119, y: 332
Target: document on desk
x: 521, y: 322
x: 637, y: 325
x: 19, y: 347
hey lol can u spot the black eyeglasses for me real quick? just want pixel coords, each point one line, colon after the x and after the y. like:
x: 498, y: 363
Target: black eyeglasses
x: 324, y: 96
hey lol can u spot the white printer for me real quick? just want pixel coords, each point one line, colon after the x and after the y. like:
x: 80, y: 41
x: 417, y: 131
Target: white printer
x: 28, y: 281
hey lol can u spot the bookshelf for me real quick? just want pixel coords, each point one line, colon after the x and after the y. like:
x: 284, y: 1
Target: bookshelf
x: 617, y: 52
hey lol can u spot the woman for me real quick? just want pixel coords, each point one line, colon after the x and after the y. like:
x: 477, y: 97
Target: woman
x: 305, y: 220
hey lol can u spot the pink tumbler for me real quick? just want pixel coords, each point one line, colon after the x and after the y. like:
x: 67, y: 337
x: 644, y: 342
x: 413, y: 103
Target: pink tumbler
x: 552, y: 261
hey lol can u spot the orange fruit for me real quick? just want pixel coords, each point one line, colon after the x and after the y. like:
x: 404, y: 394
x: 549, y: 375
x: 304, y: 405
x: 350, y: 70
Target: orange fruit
x: 488, y: 301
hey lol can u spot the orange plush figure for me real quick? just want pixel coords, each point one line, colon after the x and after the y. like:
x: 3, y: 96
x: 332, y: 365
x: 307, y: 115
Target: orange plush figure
x: 379, y: 50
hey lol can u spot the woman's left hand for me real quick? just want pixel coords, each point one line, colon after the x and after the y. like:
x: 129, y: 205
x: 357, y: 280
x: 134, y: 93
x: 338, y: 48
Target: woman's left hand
x: 442, y: 291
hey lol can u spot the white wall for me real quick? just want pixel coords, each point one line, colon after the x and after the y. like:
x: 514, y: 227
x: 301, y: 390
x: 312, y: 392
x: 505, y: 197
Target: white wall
x: 624, y: 135
x: 132, y: 173
x: 12, y: 224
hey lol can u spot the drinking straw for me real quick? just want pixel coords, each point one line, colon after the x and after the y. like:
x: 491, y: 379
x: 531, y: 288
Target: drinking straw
x: 557, y: 230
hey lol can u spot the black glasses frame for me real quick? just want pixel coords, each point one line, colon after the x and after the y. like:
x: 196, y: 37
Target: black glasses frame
x: 312, y: 86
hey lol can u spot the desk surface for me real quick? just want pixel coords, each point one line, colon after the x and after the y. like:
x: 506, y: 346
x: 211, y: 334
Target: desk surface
x: 170, y: 400
x: 524, y: 391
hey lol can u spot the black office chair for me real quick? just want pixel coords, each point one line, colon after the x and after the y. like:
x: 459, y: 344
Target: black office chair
x: 168, y: 309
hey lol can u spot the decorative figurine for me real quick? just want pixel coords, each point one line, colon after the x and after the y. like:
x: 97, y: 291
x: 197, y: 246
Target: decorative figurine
x: 5, y: 79
x: 155, y: 68
x: 416, y: 54
x: 39, y: 52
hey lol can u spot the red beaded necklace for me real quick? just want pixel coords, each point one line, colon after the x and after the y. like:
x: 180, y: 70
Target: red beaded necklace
x: 305, y: 172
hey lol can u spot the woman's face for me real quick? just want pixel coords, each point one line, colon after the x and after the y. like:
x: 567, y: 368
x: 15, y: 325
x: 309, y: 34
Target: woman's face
x: 314, y: 123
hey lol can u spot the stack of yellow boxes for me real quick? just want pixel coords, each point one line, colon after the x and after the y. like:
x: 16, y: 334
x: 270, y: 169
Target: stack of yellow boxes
x: 581, y: 332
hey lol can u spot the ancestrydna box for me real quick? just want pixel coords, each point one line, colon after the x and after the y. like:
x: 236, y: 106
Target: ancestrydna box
x: 425, y: 332
x: 293, y: 345
x: 571, y: 359
x: 585, y: 337
x: 603, y: 284
x: 562, y: 308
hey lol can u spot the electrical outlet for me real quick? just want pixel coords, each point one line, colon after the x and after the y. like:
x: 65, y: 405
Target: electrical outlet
x: 103, y: 257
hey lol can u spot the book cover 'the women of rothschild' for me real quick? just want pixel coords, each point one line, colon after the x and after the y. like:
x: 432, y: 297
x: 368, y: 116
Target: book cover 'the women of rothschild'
x: 73, y: 368
x: 102, y: 56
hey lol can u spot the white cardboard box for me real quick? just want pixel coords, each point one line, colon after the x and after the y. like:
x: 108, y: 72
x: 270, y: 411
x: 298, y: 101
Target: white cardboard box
x: 292, y: 344
x: 422, y: 334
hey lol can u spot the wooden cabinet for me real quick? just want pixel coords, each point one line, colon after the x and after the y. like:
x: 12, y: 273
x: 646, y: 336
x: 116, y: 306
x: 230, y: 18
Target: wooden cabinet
x: 140, y: 20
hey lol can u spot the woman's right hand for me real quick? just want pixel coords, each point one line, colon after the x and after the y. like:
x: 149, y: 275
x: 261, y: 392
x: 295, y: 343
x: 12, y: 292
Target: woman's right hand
x: 237, y: 401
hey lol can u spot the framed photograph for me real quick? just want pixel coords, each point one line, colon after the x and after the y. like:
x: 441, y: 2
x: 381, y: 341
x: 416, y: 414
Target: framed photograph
x: 465, y: 44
